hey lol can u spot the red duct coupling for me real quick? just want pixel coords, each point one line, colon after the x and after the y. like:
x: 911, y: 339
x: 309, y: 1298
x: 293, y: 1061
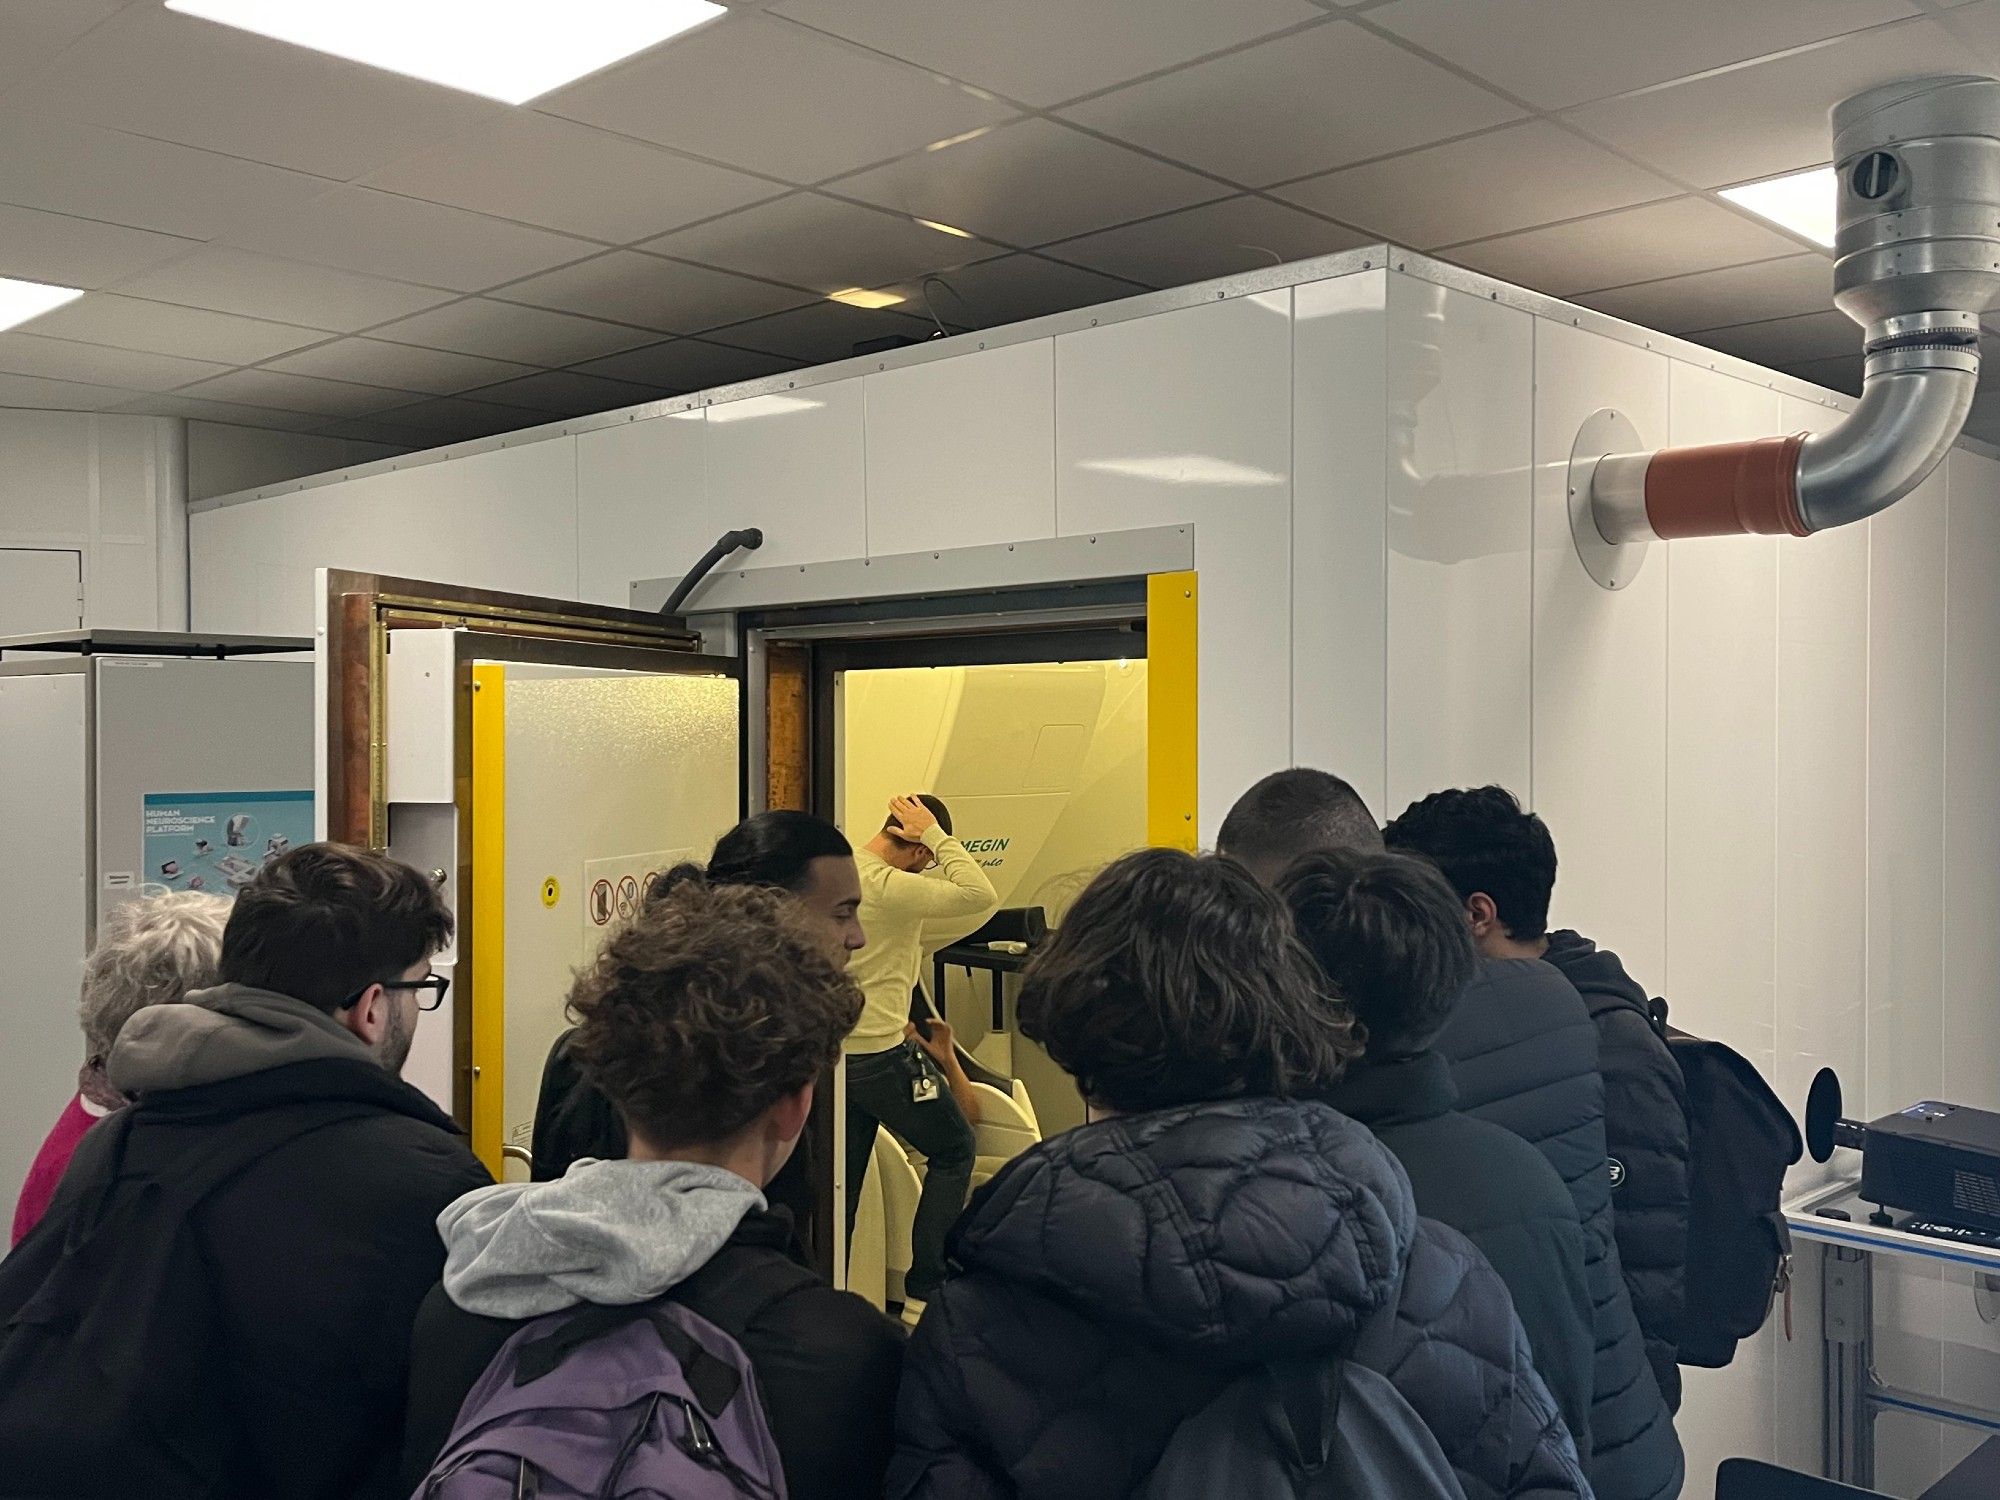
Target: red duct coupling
x: 1726, y: 489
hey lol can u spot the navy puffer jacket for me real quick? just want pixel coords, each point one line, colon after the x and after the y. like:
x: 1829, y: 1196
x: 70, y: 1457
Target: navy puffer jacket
x: 1523, y: 1052
x: 1108, y: 1282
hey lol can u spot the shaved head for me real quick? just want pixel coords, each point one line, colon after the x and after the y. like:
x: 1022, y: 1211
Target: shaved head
x: 1293, y: 813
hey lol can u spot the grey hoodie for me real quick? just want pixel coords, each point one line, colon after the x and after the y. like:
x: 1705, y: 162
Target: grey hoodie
x: 609, y: 1232
x: 222, y: 1033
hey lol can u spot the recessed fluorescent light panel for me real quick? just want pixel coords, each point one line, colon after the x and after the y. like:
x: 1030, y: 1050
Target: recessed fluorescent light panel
x: 855, y: 296
x: 1802, y: 202
x: 510, y: 50
x: 22, y: 300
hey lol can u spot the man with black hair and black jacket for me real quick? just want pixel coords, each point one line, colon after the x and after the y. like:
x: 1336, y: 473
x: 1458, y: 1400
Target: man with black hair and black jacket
x: 218, y: 1302
x: 1502, y: 861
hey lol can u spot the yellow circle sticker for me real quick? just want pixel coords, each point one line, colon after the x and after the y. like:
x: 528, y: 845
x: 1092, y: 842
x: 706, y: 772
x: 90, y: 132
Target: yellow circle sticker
x: 551, y: 891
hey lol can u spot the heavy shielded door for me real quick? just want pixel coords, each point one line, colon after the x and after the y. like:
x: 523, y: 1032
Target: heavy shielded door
x: 541, y: 759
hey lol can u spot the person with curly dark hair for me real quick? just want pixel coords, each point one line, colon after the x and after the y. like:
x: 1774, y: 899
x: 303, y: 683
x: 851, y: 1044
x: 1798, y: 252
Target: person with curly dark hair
x: 1118, y: 1292
x: 707, y: 1022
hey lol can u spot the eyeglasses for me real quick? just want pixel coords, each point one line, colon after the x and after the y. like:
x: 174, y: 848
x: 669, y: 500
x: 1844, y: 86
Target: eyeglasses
x: 432, y: 988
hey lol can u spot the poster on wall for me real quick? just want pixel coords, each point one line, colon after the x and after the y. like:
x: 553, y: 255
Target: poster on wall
x: 218, y: 841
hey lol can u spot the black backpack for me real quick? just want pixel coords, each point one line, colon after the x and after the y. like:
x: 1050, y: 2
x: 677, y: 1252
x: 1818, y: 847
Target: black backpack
x: 1741, y: 1139
x: 1312, y: 1428
x: 109, y: 1361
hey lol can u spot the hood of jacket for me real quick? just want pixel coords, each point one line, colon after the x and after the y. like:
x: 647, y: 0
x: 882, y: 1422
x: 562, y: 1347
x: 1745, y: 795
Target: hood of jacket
x: 1597, y: 973
x: 1252, y: 1226
x: 225, y: 1033
x: 608, y: 1232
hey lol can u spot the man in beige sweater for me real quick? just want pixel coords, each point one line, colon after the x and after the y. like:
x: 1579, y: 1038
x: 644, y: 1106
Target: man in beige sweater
x: 888, y: 1083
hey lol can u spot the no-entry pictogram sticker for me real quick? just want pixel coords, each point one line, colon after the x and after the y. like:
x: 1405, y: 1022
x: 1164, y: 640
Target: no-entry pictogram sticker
x: 628, y: 896
x: 600, y: 903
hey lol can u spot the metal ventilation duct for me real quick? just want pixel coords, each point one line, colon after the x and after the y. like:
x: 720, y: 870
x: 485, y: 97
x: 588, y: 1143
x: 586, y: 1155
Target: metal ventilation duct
x: 1917, y: 261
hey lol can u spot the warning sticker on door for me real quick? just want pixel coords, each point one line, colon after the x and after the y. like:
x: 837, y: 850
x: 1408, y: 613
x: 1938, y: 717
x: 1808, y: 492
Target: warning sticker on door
x: 616, y: 888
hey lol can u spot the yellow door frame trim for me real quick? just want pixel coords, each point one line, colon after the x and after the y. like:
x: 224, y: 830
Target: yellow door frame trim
x: 1173, y: 681
x: 488, y: 990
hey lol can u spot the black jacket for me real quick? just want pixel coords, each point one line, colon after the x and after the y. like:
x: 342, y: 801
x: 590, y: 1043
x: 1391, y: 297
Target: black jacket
x: 318, y: 1253
x: 827, y: 1365
x: 1109, y: 1281
x: 1523, y: 1053
x: 1646, y: 1132
x: 1501, y: 1194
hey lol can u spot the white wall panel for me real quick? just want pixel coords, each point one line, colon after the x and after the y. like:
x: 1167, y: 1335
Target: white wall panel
x: 1822, y: 803
x: 792, y: 463
x: 1340, y: 631
x: 1907, y: 569
x: 961, y: 452
x: 1722, y: 650
x: 1971, y: 1019
x: 1722, y: 653
x: 641, y: 504
x: 1187, y: 416
x: 1600, y: 679
x: 1461, y: 542
x: 505, y: 519
x: 222, y: 459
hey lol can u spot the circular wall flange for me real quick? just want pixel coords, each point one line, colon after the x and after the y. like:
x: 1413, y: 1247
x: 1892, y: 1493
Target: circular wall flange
x: 1612, y: 564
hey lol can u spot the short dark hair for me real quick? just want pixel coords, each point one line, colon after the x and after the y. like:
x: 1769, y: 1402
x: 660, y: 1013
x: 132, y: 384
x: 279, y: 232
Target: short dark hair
x: 938, y: 811
x: 1391, y: 937
x: 1178, y: 978
x: 1295, y: 812
x: 774, y: 849
x: 712, y: 1004
x: 322, y: 922
x: 1484, y: 841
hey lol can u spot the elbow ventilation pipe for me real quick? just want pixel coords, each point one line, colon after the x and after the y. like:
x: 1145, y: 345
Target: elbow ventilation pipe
x: 1917, y: 259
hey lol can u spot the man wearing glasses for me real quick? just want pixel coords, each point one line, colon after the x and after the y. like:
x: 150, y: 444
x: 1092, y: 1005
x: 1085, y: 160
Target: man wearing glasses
x: 219, y: 1300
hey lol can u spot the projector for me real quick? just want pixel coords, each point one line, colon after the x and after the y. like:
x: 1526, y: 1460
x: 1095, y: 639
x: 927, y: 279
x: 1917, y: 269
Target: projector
x: 1937, y: 1162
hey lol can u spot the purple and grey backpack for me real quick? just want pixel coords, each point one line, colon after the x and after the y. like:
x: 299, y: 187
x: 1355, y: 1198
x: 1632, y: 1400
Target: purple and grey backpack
x: 623, y: 1403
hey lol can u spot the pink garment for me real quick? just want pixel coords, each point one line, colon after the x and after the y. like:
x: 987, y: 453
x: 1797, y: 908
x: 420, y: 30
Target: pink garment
x: 46, y: 1175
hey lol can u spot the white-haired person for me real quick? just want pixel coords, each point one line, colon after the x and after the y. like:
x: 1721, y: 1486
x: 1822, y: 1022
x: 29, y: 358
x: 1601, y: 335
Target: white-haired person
x: 150, y: 952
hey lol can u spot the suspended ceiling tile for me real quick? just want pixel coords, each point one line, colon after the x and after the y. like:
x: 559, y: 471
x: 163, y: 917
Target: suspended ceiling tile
x: 58, y: 395
x: 1714, y: 299
x: 776, y: 98
x: 66, y: 251
x: 679, y: 365
x: 163, y: 328
x: 504, y: 330
x: 1294, y: 105
x: 437, y: 372
x: 814, y: 241
x: 1506, y: 179
x: 1217, y: 239
x: 236, y: 414
x: 1767, y: 117
x: 825, y: 331
x: 94, y: 364
x: 1046, y: 51
x: 671, y: 296
x: 173, y: 77
x: 1673, y: 238
x: 71, y: 168
x: 381, y: 234
x: 457, y: 419
x: 1030, y: 183
x: 1555, y: 53
x: 542, y: 170
x: 1782, y: 343
x: 288, y: 291
x: 33, y: 31
x: 1009, y: 289
x: 566, y: 393
x: 275, y: 388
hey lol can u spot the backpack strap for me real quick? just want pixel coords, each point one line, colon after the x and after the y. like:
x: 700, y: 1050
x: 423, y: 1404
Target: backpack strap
x: 713, y: 1380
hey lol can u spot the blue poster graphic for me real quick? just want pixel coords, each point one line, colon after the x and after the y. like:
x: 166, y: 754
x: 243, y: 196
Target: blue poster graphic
x: 217, y: 841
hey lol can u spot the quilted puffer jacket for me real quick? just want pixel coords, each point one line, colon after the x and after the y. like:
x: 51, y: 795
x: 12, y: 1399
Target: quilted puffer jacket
x: 1106, y: 1284
x: 1523, y: 1053
x: 1646, y: 1131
